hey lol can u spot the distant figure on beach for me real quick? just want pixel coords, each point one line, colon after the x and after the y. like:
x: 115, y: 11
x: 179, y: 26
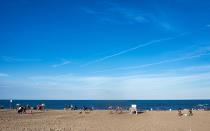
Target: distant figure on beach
x: 41, y: 107
x: 180, y: 112
x: 17, y: 106
x: 133, y: 109
x: 118, y: 110
x: 92, y: 108
x: 28, y: 107
x: 190, y: 112
x: 71, y: 107
x: 1, y: 107
x: 67, y: 107
x: 24, y: 109
x: 110, y: 108
x: 85, y: 108
x: 21, y: 110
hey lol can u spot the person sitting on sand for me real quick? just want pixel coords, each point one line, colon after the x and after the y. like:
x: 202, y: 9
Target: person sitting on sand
x: 190, y: 112
x: 110, y: 108
x: 75, y: 108
x: 118, y: 110
x: 24, y: 109
x: 41, y: 107
x: 92, y: 108
x: 180, y: 112
x: 20, y: 110
x: 66, y: 107
x: 86, y: 109
x: 71, y: 107
x: 38, y: 107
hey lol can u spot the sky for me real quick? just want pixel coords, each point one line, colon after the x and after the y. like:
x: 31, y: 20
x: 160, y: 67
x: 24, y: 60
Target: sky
x: 104, y: 49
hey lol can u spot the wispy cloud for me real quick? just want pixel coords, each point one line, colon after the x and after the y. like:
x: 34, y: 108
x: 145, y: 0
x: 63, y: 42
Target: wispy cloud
x: 199, y: 51
x: 13, y: 59
x: 3, y: 75
x: 192, y: 69
x: 166, y: 25
x: 64, y: 62
x: 133, y: 16
x: 127, y: 87
x: 158, y: 63
x: 127, y: 50
x: 136, y: 47
x: 164, y: 85
x: 117, y: 14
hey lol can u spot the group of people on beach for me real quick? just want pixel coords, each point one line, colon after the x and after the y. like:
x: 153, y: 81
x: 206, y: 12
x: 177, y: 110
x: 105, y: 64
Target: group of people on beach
x: 41, y: 107
x: 190, y: 113
x: 118, y: 109
x: 70, y: 107
x: 26, y: 109
x: 23, y: 109
x: 83, y: 109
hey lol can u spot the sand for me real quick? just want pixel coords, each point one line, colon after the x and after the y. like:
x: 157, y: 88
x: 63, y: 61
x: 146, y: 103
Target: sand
x: 60, y: 120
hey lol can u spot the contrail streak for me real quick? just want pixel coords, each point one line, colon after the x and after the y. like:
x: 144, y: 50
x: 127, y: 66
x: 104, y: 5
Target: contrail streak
x: 134, y: 48
x: 141, y: 46
x: 157, y: 63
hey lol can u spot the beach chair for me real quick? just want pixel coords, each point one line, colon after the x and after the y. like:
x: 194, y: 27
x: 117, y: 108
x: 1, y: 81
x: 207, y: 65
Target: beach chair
x: 133, y: 109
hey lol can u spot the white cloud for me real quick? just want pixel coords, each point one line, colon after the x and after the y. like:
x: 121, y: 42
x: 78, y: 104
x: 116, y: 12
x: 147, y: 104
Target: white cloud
x: 165, y: 85
x: 153, y: 86
x: 124, y: 15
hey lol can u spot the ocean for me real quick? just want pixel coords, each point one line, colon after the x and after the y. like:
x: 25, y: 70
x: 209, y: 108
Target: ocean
x: 104, y: 104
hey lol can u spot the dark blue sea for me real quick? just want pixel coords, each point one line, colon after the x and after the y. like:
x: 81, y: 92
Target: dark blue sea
x: 104, y: 104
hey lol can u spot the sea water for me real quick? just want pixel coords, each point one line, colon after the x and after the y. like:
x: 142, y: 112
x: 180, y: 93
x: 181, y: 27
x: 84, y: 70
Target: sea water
x: 104, y: 104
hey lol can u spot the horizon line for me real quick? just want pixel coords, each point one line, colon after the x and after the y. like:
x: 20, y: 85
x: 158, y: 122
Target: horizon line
x: 101, y: 99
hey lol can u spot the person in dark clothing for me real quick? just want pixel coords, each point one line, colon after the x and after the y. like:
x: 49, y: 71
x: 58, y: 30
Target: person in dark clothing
x: 180, y: 112
x: 190, y: 112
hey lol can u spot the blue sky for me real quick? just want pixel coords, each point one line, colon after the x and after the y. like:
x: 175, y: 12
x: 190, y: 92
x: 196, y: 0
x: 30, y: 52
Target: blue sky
x: 109, y: 49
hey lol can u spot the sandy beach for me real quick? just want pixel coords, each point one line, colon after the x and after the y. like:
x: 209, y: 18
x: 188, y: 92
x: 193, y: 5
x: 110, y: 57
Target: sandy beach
x: 60, y: 120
